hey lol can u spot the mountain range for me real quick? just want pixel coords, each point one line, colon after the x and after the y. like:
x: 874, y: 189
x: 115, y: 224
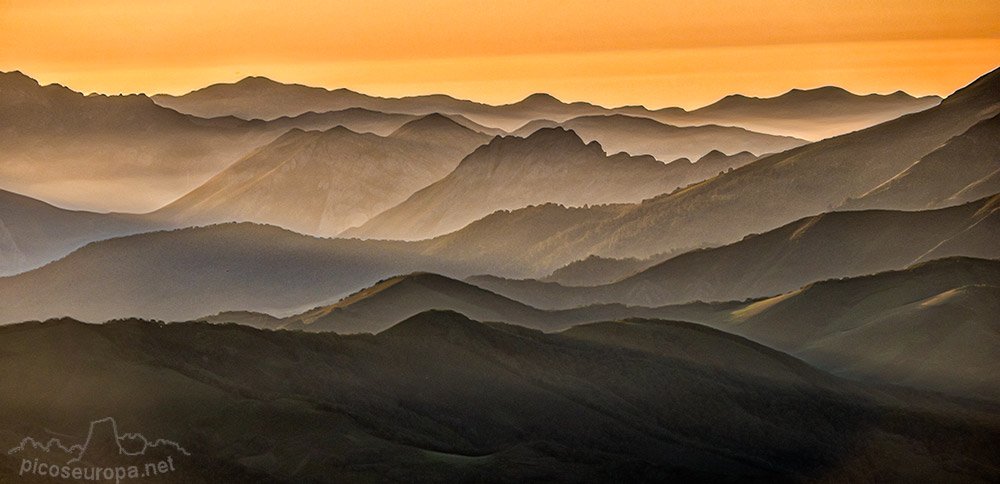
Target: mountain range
x: 776, y: 189
x: 810, y: 114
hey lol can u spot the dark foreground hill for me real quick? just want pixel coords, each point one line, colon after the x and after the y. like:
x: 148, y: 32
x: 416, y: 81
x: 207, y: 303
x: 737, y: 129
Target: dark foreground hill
x: 441, y: 398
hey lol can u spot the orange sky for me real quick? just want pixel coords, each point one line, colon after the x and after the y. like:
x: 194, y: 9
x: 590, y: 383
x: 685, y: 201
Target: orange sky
x: 656, y: 53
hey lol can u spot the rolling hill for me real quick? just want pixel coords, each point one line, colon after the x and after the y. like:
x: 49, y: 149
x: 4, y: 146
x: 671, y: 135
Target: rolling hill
x: 442, y: 397
x: 376, y: 308
x: 931, y: 326
x: 321, y: 183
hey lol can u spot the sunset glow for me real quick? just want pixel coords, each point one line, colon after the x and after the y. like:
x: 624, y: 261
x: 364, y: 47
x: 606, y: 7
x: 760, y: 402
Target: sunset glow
x: 656, y: 53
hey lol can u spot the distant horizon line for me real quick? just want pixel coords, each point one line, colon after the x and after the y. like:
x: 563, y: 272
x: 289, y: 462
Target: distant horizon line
x: 454, y: 97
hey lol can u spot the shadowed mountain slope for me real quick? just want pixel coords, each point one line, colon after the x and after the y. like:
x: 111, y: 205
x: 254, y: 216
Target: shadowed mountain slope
x: 644, y: 136
x: 34, y: 233
x: 439, y: 397
x: 324, y: 182
x: 965, y: 168
x: 933, y: 326
x: 836, y: 244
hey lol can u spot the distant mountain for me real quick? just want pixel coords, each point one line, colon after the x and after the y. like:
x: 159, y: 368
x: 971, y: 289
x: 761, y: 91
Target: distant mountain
x: 812, y: 114
x: 551, y: 165
x: 644, y: 136
x: 73, y: 150
x: 34, y: 233
x: 321, y: 183
x: 836, y: 244
x: 362, y: 120
x: 965, y: 168
x: 440, y: 397
x: 774, y: 190
x: 262, y: 98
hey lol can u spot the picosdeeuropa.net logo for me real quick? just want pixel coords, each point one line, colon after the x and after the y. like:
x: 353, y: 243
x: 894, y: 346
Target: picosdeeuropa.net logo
x: 106, y: 455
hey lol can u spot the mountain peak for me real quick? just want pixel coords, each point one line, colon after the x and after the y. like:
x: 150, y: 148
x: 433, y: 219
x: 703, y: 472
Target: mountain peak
x: 819, y: 92
x: 539, y: 99
x: 257, y: 82
x: 555, y: 134
x: 17, y: 77
x: 429, y: 124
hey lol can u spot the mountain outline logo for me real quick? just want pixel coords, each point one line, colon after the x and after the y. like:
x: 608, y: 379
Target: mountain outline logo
x: 109, y: 424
